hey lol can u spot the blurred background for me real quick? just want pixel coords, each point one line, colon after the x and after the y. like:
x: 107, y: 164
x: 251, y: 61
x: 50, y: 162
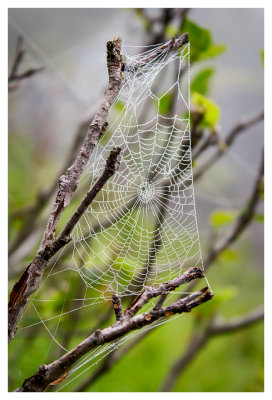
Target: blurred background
x: 46, y: 112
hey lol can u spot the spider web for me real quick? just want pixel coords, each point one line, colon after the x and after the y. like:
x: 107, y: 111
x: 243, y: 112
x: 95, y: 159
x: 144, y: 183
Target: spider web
x: 141, y: 229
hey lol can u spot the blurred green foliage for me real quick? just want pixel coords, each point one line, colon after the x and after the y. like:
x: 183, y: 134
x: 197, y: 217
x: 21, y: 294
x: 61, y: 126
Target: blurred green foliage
x: 222, y: 217
x: 207, y: 107
x: 201, y: 82
x: 201, y: 42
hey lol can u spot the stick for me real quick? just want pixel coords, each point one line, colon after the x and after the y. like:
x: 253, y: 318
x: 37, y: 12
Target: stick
x: 29, y: 281
x: 52, y: 372
x: 200, y: 340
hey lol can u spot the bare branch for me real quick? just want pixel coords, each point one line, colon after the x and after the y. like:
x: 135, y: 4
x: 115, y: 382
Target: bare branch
x: 69, y: 181
x: 31, y: 277
x: 244, y: 218
x: 200, y: 340
x: 30, y: 214
x: 232, y: 135
x: 52, y: 372
x: 150, y: 292
x: 14, y: 78
x: 171, y: 45
x: 237, y: 323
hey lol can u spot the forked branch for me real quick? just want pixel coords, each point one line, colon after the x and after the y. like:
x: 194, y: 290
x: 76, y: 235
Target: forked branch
x: 129, y: 322
x: 14, y: 77
x: 199, y: 340
x: 30, y: 279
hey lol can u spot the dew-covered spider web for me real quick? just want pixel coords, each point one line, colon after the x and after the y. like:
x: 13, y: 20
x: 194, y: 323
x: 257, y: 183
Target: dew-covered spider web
x: 141, y: 229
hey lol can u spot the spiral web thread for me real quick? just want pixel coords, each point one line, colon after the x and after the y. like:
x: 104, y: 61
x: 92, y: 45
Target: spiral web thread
x: 141, y: 229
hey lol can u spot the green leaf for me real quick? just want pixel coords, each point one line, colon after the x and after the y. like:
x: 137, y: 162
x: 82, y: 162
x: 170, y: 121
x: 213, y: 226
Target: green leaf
x: 165, y: 103
x: 201, y: 81
x: 221, y: 218
x: 202, y: 45
x: 208, y: 107
x: 214, y: 50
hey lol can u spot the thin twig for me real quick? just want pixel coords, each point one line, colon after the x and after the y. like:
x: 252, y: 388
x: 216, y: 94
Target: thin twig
x: 29, y: 281
x: 117, y: 306
x: 198, y: 341
x: 244, y: 218
x: 30, y: 214
x: 232, y: 135
x: 49, y: 373
x: 14, y: 78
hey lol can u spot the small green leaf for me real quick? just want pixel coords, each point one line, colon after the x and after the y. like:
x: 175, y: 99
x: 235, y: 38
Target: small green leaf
x: 221, y: 218
x: 210, y: 109
x: 202, y: 45
x: 201, y: 81
x: 214, y: 50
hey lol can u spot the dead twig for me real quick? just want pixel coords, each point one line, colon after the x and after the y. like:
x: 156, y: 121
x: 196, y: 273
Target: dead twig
x: 14, y: 78
x: 231, y: 137
x: 198, y: 341
x: 52, y: 372
x: 31, y: 277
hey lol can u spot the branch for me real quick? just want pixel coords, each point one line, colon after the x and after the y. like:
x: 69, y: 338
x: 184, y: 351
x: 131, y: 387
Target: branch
x: 243, y: 220
x: 30, y: 279
x: 117, y: 305
x: 14, y: 77
x: 171, y: 45
x: 200, y: 340
x: 52, y: 372
x: 69, y: 181
x: 110, y: 361
x: 232, y: 135
x: 31, y: 213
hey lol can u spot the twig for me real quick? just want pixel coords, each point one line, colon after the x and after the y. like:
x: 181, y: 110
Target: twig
x: 171, y: 45
x: 150, y: 292
x: 48, y: 373
x: 31, y: 278
x: 64, y: 237
x: 232, y: 135
x: 117, y: 306
x: 14, y: 77
x: 31, y: 213
x: 200, y: 340
x: 69, y: 181
x: 242, y: 221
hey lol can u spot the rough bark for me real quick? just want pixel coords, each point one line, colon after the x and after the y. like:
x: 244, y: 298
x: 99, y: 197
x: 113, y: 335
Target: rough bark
x: 30, y: 279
